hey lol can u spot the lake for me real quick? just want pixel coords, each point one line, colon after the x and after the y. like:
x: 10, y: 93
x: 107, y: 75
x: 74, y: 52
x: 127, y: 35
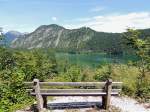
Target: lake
x: 93, y: 59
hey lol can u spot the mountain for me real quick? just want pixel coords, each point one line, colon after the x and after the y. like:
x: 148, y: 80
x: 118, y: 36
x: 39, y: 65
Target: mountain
x: 54, y: 36
x: 12, y: 35
x: 82, y: 39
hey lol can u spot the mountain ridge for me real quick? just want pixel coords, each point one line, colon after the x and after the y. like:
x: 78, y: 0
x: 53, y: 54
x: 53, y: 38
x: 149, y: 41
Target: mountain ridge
x: 81, y: 39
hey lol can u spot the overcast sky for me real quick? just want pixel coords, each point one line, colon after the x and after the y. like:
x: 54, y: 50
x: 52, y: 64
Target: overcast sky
x: 100, y: 15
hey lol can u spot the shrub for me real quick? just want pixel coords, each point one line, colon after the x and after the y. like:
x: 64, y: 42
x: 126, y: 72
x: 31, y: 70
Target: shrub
x: 124, y: 73
x: 17, y: 67
x: 103, y: 73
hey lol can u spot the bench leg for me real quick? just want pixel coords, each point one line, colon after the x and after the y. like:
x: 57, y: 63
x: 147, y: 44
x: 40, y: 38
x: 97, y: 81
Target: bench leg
x: 44, y: 101
x: 104, y: 102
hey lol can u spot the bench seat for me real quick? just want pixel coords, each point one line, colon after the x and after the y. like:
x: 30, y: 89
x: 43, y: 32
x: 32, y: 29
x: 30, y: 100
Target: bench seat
x: 76, y: 94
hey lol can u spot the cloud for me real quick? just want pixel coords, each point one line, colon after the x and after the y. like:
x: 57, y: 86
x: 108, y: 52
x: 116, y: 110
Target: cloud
x: 54, y: 18
x: 21, y: 27
x: 115, y: 22
x: 97, y: 9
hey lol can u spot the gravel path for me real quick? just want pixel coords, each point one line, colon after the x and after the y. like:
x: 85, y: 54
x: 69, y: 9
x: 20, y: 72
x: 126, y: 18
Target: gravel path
x: 125, y: 104
x: 128, y: 105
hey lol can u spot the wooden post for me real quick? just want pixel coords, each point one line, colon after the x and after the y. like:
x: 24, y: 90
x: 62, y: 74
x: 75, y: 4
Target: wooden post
x: 39, y: 97
x: 108, y: 93
x: 106, y: 98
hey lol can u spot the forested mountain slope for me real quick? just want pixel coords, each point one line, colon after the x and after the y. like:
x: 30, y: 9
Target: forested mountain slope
x: 54, y: 36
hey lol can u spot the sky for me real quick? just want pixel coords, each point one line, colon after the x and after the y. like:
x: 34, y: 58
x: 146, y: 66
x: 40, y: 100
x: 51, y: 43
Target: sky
x: 100, y: 15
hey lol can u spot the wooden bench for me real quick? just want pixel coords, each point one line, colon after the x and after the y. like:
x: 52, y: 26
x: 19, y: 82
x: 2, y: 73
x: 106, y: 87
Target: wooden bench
x: 43, y: 89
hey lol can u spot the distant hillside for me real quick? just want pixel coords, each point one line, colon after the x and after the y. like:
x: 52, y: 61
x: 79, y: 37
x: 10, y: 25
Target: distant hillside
x: 12, y: 35
x: 54, y: 36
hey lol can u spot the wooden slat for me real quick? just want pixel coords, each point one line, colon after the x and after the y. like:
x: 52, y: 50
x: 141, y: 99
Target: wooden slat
x: 117, y: 83
x: 73, y: 90
x: 28, y: 84
x: 29, y: 90
x: 73, y: 83
x: 77, y: 94
x: 77, y: 83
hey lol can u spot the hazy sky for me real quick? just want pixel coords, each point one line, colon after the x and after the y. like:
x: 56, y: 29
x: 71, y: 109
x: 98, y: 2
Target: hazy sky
x: 100, y: 15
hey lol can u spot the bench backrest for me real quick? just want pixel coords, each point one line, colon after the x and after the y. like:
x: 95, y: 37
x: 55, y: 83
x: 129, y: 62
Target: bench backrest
x: 75, y: 88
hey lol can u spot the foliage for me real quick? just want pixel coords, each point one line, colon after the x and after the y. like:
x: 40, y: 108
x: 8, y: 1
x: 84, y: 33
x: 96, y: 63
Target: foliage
x: 142, y: 49
x: 87, y: 75
x: 75, y: 73
x: 17, y: 67
x: 103, y: 73
x: 11, y: 86
x: 124, y: 73
x: 12, y: 90
x: 35, y: 64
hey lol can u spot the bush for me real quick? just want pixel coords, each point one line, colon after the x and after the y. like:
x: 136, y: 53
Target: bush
x: 143, y: 88
x: 17, y: 67
x: 103, y: 73
x: 12, y: 92
x: 124, y: 73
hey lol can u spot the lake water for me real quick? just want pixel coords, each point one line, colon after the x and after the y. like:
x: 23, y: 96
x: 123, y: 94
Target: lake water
x: 93, y: 59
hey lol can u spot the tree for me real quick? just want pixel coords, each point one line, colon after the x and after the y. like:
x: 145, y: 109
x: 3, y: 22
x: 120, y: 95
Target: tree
x: 141, y: 48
